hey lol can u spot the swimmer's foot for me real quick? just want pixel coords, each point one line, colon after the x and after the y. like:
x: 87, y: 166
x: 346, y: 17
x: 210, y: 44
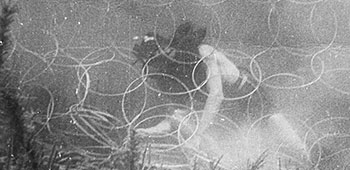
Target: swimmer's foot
x: 166, y: 126
x: 161, y: 128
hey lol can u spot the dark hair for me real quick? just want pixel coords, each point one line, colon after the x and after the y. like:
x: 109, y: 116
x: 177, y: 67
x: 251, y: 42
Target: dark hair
x: 172, y: 61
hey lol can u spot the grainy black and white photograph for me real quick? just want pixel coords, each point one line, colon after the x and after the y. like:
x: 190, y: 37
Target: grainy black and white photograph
x: 174, y: 85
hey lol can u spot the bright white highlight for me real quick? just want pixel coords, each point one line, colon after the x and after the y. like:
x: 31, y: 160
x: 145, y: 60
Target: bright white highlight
x: 219, y: 69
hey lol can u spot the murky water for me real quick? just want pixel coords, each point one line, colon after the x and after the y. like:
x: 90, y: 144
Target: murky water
x: 284, y: 104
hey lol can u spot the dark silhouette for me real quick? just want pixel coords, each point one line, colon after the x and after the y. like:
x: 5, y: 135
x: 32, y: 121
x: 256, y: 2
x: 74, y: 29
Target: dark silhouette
x: 174, y: 58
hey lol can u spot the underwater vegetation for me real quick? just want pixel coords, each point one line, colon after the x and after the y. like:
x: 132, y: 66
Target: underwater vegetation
x: 12, y: 123
x: 69, y: 111
x: 6, y: 18
x: 16, y: 147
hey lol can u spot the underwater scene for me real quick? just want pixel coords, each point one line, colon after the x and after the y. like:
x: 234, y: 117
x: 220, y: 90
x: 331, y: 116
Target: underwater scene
x: 175, y: 85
